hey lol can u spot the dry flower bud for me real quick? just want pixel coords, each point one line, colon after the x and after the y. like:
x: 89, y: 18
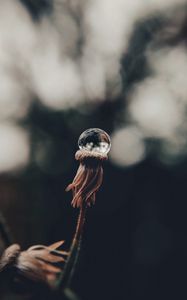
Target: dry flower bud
x: 36, y: 263
x: 94, y: 145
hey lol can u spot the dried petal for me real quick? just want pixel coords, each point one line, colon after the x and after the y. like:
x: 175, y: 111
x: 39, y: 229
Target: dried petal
x: 45, y: 255
x: 56, y: 245
x: 30, y: 267
x: 37, y: 263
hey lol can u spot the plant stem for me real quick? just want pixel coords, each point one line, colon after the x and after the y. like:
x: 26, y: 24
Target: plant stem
x: 70, y: 265
x: 4, y: 231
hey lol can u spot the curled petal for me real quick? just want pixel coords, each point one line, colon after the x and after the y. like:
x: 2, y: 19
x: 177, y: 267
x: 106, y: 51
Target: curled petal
x: 88, y: 178
x: 85, y: 185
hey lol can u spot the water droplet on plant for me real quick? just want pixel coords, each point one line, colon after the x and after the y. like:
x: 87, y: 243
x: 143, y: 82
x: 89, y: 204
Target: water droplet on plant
x: 95, y: 140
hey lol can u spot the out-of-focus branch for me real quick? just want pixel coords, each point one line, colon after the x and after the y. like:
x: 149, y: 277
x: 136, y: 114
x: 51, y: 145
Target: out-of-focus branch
x: 5, y: 232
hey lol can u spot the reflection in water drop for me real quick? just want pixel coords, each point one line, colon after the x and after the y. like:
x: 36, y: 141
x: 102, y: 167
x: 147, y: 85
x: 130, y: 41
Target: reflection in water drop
x: 95, y: 140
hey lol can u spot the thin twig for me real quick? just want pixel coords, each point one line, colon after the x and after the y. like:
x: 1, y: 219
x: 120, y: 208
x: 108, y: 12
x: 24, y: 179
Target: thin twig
x: 70, y: 265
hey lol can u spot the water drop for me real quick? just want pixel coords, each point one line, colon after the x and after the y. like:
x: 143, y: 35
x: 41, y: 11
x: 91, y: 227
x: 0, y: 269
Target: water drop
x: 95, y: 140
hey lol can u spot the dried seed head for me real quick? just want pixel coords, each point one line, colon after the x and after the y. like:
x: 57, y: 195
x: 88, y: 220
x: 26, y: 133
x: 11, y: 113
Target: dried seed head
x: 38, y: 263
x: 94, y: 145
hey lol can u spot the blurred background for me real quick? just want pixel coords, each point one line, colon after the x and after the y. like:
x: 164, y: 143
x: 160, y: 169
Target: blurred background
x: 119, y: 65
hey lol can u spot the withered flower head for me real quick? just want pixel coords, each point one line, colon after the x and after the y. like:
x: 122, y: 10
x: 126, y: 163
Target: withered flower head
x: 38, y: 263
x: 94, y: 144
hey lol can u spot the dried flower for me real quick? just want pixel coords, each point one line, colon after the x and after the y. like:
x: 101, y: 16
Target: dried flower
x: 94, y: 145
x: 88, y: 179
x: 37, y: 263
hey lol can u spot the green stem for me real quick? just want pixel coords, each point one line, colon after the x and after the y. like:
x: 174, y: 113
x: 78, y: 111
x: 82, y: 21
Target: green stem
x: 70, y: 265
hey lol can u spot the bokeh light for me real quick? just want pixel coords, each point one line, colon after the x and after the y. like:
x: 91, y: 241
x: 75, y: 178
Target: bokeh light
x: 128, y: 147
x: 15, y: 147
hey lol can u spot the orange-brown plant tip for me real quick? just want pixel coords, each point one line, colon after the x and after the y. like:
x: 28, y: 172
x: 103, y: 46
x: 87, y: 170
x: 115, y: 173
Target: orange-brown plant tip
x: 94, y: 144
x: 85, y: 185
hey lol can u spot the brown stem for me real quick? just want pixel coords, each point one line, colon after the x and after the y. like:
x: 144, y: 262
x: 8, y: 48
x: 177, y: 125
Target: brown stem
x: 69, y: 268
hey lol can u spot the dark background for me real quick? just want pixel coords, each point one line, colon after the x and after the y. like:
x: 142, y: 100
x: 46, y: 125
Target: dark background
x: 134, y: 244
